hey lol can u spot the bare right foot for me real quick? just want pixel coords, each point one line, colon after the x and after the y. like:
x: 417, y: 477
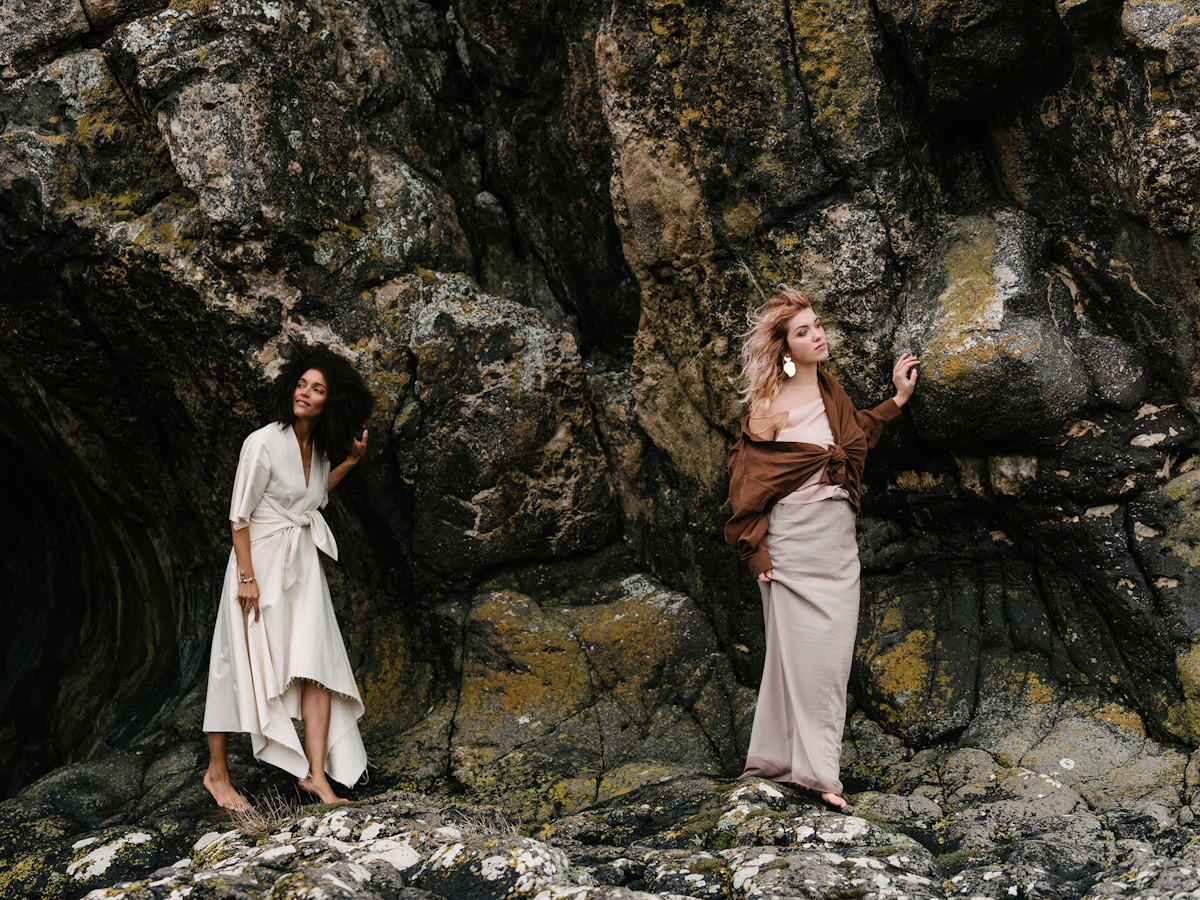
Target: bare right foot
x: 836, y: 801
x: 320, y: 789
x: 225, y: 793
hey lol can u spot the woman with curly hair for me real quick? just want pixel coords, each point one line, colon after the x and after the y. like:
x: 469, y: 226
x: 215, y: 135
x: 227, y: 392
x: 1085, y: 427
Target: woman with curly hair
x: 794, y: 489
x: 277, y: 652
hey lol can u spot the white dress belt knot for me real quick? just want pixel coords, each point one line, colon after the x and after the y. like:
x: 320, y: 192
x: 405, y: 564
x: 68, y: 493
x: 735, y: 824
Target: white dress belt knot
x: 273, y: 518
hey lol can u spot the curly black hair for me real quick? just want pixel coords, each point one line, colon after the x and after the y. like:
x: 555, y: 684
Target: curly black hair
x: 348, y: 403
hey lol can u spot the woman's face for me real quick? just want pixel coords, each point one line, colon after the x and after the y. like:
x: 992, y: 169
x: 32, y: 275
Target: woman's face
x: 806, y: 339
x: 308, y: 399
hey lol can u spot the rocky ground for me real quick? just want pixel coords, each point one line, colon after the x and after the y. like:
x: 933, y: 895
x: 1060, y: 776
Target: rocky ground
x: 1115, y: 819
x: 1023, y: 834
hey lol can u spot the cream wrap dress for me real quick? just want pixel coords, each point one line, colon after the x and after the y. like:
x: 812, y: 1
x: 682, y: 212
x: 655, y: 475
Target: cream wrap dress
x: 256, y: 671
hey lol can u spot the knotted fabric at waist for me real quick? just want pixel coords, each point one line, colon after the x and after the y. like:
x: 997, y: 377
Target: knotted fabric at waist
x: 835, y: 469
x: 270, y: 518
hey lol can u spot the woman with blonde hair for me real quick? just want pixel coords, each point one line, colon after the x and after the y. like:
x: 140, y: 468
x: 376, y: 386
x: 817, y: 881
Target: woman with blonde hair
x: 794, y: 477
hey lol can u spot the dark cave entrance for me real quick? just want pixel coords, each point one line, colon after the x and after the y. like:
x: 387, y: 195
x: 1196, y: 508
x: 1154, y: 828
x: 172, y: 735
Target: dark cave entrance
x: 88, y: 644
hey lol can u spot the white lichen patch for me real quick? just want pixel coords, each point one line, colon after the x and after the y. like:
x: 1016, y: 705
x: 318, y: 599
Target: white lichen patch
x: 141, y: 36
x: 866, y: 862
x: 445, y: 856
x: 745, y: 872
x: 355, y: 871
x: 1010, y: 475
x: 335, y: 824
x: 1148, y: 440
x: 570, y: 892
x: 1050, y: 781
x: 277, y: 852
x: 734, y: 816
x: 400, y: 855
x: 1142, y: 531
x: 78, y: 76
x: 98, y: 861
x: 843, y: 830
x: 762, y: 787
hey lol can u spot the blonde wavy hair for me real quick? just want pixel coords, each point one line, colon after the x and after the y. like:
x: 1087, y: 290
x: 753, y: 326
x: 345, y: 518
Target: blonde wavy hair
x: 764, y: 343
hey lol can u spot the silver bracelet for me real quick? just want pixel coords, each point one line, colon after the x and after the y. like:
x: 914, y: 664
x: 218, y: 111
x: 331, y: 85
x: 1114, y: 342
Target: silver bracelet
x: 246, y: 580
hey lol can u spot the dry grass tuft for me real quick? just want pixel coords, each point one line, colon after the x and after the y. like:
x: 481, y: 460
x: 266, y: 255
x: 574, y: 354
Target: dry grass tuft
x: 485, y: 821
x: 272, y: 813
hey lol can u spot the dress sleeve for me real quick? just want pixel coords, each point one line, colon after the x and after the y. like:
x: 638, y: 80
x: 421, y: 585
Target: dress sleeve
x: 250, y: 482
x: 746, y: 530
x: 874, y: 421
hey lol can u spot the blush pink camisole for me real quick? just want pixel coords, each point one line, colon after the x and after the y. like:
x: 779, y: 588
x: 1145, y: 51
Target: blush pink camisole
x: 809, y: 424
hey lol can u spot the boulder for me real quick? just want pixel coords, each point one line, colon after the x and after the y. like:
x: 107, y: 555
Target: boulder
x: 505, y: 462
x: 993, y: 362
x: 973, y: 57
x: 561, y: 706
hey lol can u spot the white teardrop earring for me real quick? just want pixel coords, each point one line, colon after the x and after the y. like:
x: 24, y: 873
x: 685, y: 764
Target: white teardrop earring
x: 789, y: 367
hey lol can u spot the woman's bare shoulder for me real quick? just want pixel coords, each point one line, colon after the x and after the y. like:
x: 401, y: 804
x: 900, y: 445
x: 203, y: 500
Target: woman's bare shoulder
x: 764, y: 423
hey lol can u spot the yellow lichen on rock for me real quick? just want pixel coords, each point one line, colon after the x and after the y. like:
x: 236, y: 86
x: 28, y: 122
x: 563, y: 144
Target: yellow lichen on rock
x: 1183, y: 719
x: 1123, y: 718
x: 905, y: 670
x: 971, y: 304
x: 1182, y: 536
x: 397, y: 682
x: 834, y: 40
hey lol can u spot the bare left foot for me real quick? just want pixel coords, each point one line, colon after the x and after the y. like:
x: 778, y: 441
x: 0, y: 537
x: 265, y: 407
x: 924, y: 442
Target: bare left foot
x: 321, y: 789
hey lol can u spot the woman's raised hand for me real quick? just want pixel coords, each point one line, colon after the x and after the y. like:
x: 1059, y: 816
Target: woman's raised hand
x: 904, y: 376
x: 358, y: 446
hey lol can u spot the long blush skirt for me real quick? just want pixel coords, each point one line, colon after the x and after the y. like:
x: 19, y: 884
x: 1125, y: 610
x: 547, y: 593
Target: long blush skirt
x: 811, y: 612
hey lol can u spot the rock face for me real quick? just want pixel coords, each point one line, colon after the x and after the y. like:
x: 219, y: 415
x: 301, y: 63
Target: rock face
x: 538, y: 232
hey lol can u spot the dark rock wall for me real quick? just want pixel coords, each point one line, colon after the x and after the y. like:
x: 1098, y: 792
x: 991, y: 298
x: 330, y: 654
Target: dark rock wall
x: 537, y: 229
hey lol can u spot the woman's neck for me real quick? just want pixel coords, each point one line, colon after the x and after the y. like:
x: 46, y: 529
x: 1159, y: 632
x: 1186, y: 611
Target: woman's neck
x: 799, y: 390
x: 803, y: 384
x: 304, y: 431
x: 805, y: 377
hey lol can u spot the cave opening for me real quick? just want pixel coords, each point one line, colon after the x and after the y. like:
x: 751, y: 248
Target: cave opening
x: 88, y: 646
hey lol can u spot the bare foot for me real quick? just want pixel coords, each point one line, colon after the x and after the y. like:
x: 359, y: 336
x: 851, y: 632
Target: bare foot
x: 837, y: 801
x: 320, y: 789
x: 224, y: 793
